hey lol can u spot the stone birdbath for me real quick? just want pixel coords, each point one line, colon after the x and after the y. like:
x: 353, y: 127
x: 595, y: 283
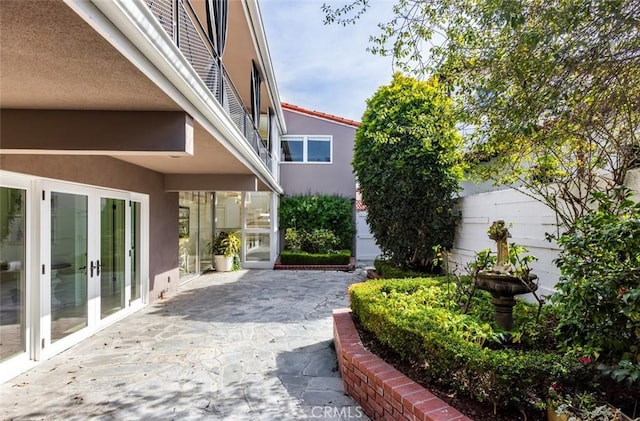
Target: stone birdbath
x: 500, y: 280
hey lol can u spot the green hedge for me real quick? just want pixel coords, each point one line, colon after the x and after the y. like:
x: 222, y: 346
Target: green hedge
x: 330, y: 212
x: 419, y: 319
x: 342, y: 257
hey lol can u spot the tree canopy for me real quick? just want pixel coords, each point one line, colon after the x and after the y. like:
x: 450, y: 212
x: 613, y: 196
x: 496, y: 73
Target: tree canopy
x: 407, y: 162
x: 549, y: 90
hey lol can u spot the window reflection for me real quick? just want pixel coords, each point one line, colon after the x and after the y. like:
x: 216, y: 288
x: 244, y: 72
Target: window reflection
x: 12, y: 267
x: 68, y: 264
x: 258, y: 205
x: 257, y: 248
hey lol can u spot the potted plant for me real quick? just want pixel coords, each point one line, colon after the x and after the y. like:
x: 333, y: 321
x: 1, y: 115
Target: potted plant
x: 226, y: 247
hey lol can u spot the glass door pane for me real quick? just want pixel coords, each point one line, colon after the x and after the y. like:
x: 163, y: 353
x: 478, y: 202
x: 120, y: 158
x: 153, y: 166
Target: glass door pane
x: 258, y: 209
x: 135, y: 251
x: 68, y: 264
x: 12, y: 272
x: 228, y: 212
x: 257, y: 239
x: 188, y: 234
x: 112, y: 256
x: 205, y: 230
x: 257, y: 247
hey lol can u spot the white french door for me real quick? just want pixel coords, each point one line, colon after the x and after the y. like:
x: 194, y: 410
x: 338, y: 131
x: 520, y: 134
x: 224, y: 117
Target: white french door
x: 112, y: 264
x: 90, y: 262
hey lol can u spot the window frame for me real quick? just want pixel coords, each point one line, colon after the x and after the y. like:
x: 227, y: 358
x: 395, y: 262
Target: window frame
x: 305, y: 148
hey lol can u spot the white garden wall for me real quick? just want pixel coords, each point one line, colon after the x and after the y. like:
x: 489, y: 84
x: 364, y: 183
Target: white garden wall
x: 530, y: 219
x: 366, y: 248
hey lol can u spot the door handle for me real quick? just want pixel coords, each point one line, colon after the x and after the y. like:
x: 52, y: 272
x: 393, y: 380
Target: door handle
x: 96, y: 267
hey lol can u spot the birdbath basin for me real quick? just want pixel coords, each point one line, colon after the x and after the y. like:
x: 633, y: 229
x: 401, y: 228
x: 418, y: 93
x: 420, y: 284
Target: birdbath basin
x: 501, y: 282
x: 503, y: 288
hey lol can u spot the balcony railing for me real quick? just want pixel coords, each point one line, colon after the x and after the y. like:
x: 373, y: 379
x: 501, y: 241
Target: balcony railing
x: 181, y: 23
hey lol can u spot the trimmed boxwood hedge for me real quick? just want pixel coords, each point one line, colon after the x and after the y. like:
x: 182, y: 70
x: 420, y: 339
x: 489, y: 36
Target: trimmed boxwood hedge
x: 342, y: 257
x: 419, y: 319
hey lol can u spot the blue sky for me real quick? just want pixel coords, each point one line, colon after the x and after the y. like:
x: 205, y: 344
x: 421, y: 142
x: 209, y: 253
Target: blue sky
x: 325, y: 67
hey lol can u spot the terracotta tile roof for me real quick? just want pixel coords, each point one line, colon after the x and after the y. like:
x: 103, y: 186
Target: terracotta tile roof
x: 360, y: 205
x: 332, y: 117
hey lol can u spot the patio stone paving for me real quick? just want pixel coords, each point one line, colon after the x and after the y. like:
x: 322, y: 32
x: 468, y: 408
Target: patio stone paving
x: 248, y: 345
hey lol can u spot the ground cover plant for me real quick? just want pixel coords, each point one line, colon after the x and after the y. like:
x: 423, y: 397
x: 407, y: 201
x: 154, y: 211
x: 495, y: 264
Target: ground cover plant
x: 390, y: 270
x: 421, y: 320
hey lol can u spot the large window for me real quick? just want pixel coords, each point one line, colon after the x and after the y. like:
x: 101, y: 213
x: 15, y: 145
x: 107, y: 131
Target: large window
x: 248, y: 213
x: 307, y: 149
x: 195, y: 225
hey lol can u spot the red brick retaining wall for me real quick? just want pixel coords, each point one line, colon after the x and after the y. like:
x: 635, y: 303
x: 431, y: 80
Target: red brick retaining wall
x: 383, y: 392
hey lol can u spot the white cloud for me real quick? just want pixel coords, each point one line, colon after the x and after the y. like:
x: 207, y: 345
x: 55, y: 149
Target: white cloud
x: 325, y: 67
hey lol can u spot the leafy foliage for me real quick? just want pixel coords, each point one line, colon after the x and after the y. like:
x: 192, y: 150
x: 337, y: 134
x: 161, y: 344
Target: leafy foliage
x: 316, y: 241
x: 549, y: 90
x: 390, y: 270
x: 225, y: 244
x: 518, y: 260
x: 583, y: 407
x: 311, y: 212
x: 599, y: 290
x: 407, y: 161
x: 422, y: 322
x: 342, y: 257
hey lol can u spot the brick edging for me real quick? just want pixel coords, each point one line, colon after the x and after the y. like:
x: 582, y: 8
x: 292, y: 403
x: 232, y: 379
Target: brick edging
x: 383, y: 392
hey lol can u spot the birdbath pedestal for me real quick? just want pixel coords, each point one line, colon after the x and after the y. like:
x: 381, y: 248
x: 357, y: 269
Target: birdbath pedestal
x: 500, y: 281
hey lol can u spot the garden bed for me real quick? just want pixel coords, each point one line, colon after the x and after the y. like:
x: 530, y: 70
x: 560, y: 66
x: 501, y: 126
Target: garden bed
x: 469, y: 407
x: 458, y: 356
x: 381, y: 390
x: 332, y: 267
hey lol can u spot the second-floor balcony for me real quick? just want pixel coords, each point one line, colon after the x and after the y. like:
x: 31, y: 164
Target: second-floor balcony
x: 182, y: 24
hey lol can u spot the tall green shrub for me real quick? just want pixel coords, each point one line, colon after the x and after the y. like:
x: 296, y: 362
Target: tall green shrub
x: 599, y: 290
x: 407, y: 159
x: 311, y: 212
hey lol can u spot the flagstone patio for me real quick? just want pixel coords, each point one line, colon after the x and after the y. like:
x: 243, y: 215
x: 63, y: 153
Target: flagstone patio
x: 247, y: 345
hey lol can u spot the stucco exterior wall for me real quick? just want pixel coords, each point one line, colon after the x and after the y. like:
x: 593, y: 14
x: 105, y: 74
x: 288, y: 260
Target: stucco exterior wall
x: 316, y: 178
x: 104, y: 171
